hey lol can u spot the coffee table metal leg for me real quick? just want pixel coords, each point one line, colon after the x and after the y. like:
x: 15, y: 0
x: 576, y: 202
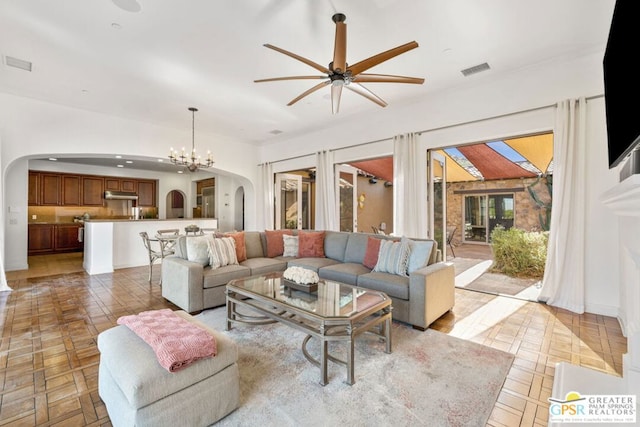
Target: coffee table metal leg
x: 350, y: 356
x: 324, y: 377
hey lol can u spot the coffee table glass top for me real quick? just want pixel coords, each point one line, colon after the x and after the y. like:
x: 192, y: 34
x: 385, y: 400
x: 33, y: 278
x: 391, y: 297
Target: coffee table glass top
x: 331, y: 299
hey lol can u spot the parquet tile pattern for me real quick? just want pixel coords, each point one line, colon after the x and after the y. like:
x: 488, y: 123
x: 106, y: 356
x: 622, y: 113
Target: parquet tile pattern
x: 49, y: 358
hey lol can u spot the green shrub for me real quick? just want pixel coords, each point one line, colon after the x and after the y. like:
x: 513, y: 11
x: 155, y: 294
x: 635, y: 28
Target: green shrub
x: 519, y: 253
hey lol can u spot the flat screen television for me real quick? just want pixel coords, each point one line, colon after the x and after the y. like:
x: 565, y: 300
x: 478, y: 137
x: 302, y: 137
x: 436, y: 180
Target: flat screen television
x: 622, y: 82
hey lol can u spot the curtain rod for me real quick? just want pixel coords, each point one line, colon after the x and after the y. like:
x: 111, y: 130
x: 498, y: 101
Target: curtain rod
x: 588, y: 98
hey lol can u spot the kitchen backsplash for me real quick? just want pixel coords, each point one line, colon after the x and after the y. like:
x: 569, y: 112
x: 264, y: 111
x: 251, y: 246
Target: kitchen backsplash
x: 67, y: 213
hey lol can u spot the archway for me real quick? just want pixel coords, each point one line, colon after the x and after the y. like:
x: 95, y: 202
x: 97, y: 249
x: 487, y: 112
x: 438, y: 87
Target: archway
x: 175, y: 204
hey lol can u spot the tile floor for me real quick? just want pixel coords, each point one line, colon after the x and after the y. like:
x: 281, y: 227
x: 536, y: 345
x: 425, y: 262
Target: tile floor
x: 50, y: 321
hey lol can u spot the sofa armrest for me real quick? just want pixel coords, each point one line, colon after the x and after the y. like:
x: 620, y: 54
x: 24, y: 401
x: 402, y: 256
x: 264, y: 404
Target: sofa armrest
x: 182, y: 283
x: 431, y: 293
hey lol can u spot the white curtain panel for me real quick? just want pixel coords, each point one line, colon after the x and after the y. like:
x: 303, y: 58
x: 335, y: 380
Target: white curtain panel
x: 267, y: 195
x: 563, y: 282
x: 409, y: 187
x: 325, y: 192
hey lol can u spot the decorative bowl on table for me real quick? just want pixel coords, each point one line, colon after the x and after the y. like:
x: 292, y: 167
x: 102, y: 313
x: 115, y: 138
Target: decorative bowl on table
x: 301, y: 278
x: 191, y: 229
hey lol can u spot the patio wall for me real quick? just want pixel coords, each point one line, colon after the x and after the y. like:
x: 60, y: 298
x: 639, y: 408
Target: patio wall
x: 526, y: 210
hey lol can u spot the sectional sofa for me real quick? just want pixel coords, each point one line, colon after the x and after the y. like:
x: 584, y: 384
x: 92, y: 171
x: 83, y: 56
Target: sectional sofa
x: 420, y: 296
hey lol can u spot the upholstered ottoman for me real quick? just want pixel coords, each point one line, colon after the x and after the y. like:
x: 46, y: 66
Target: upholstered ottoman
x: 138, y: 391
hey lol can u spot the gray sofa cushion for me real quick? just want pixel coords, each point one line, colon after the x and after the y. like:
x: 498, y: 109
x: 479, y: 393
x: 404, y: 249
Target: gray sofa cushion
x: 346, y: 273
x: 335, y: 243
x: 356, y: 247
x: 391, y: 284
x: 264, y: 265
x: 222, y: 275
x: 312, y: 263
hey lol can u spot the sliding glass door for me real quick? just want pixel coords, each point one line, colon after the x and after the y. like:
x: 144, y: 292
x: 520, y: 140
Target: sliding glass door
x: 437, y: 197
x: 484, y: 212
x: 346, y: 197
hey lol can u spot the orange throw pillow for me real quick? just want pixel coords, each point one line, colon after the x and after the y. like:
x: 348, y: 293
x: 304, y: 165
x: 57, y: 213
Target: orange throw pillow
x: 311, y: 244
x: 275, y: 242
x: 371, y: 253
x: 241, y: 247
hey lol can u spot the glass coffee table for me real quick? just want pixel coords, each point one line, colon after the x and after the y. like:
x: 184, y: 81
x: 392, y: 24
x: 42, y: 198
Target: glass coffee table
x: 331, y: 312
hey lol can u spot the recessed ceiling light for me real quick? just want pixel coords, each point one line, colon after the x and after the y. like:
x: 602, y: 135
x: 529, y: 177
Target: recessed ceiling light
x: 84, y: 91
x: 120, y: 166
x: 116, y: 26
x: 128, y: 5
x: 53, y: 159
x: 275, y: 132
x: 129, y: 161
x: 118, y: 157
x: 161, y: 160
x: 180, y: 172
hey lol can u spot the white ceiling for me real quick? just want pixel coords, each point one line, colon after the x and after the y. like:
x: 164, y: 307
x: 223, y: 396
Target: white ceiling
x: 203, y: 53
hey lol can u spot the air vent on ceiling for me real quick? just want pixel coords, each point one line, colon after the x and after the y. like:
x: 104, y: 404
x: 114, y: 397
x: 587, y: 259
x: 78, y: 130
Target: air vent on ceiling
x: 10, y: 61
x: 275, y: 132
x: 475, y: 69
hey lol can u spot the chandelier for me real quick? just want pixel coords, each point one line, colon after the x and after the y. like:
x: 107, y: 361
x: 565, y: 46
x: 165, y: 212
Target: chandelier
x: 191, y: 161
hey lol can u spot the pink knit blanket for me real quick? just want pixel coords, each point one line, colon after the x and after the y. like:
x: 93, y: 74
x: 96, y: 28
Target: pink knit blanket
x: 176, y: 341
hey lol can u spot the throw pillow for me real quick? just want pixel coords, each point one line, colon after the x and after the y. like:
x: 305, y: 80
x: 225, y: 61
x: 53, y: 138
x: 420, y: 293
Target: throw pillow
x: 241, y: 247
x: 311, y: 244
x: 393, y: 257
x: 290, y: 245
x: 419, y: 254
x: 371, y: 253
x: 198, y: 249
x: 222, y: 251
x: 275, y: 243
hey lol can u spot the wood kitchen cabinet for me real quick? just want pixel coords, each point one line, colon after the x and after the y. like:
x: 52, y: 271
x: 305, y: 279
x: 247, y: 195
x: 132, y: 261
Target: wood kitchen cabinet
x: 41, y: 238
x: 92, y: 190
x: 146, y: 193
x: 50, y: 238
x: 34, y: 188
x: 120, y: 184
x: 50, y: 189
x: 70, y: 190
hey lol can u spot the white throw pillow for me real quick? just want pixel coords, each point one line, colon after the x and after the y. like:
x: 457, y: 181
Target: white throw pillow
x: 198, y: 249
x: 393, y: 257
x: 222, y: 251
x: 290, y: 245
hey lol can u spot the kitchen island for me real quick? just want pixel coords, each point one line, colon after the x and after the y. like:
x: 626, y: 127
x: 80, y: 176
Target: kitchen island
x: 113, y: 244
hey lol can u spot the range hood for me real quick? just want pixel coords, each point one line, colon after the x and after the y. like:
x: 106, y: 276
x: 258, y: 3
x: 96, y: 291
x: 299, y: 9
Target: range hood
x: 120, y: 195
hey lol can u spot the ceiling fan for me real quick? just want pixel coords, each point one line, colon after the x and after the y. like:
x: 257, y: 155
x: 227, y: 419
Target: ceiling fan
x: 340, y: 74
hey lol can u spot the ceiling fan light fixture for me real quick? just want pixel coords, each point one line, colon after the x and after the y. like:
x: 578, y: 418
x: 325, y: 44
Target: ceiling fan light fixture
x: 191, y: 161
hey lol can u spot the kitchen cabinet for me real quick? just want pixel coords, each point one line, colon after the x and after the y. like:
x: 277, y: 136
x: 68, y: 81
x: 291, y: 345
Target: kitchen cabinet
x: 120, y: 184
x: 146, y: 193
x: 50, y: 189
x: 92, y: 190
x: 70, y: 190
x: 41, y: 238
x: 34, y: 188
x: 50, y: 238
x: 68, y: 237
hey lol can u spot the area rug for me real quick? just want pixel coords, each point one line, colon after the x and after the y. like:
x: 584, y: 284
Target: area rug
x: 430, y: 378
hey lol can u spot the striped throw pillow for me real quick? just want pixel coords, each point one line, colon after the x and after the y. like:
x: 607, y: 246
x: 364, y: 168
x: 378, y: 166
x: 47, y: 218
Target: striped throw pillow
x: 222, y: 251
x: 393, y: 257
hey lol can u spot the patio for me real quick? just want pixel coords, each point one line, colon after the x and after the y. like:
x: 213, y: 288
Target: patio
x: 472, y: 263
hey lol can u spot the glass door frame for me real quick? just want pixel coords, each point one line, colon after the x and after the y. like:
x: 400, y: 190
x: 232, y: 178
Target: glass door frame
x: 353, y: 172
x: 437, y: 231
x: 279, y: 178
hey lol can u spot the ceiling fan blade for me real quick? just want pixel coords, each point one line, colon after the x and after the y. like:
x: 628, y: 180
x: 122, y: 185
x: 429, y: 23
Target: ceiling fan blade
x: 374, y: 60
x: 339, y: 64
x: 300, y: 58
x: 386, y: 78
x: 361, y: 90
x: 274, y: 79
x: 336, y: 92
x: 309, y: 91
